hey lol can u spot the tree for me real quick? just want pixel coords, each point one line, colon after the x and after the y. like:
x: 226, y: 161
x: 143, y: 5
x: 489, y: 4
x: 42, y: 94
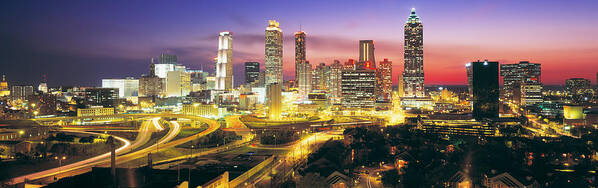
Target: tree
x: 311, y: 180
x: 390, y: 178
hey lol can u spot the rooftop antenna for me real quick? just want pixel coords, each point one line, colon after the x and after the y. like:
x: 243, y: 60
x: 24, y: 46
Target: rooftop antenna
x: 300, y: 27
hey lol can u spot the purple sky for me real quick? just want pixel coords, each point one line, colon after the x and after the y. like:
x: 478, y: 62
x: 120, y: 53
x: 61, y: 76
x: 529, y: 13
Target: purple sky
x: 80, y: 42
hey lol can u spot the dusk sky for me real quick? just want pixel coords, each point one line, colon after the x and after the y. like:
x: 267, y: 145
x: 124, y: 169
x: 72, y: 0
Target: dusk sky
x: 81, y: 42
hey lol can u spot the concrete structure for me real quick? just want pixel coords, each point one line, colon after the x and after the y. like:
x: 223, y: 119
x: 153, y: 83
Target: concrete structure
x: 274, y: 100
x: 485, y: 89
x: 358, y: 89
x: 167, y: 59
x: 94, y: 111
x: 413, y: 73
x: 203, y: 110
x: 385, y: 80
x: 335, y: 89
x: 252, y: 72
x: 224, y: 65
x: 303, y: 70
x: 106, y: 97
x: 319, y: 77
x: 4, y: 91
x: 127, y: 87
x: 178, y: 84
x: 366, y: 53
x: 273, y: 53
x: 524, y: 76
x: 21, y: 92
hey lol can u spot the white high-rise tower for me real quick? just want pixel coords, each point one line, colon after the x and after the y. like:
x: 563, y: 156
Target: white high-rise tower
x: 224, y: 65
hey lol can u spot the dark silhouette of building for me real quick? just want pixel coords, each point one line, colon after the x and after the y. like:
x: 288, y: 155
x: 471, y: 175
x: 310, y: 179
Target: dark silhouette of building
x: 485, y: 89
x: 252, y: 72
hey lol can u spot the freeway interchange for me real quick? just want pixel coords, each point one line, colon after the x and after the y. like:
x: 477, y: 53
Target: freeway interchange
x: 129, y: 150
x: 146, y: 143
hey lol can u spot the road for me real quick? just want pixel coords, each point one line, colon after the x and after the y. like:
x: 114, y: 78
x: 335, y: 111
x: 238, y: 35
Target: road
x: 298, y: 153
x: 145, y: 134
x: 76, y: 165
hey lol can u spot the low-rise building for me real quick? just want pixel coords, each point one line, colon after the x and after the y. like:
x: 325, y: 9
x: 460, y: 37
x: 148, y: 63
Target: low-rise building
x: 94, y: 111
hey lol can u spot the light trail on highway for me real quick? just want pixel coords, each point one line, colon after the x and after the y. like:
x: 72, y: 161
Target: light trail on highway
x: 73, y: 166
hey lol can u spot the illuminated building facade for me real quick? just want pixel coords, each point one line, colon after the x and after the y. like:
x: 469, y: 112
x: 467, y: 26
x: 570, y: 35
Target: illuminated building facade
x: 151, y: 86
x: 457, y: 127
x: 385, y: 79
x: 349, y: 64
x: 161, y: 70
x: 320, y: 77
x: 21, y: 92
x: 4, y: 91
x: 335, y: 81
x: 485, y: 89
x: 305, y: 79
x: 203, y: 110
x: 252, y: 72
x: 274, y: 100
x: 524, y: 76
x: 366, y: 53
x: 168, y: 59
x: 224, y: 64
x: 358, y: 89
x: 106, y: 97
x: 94, y: 111
x: 413, y: 73
x: 273, y: 60
x: 303, y: 70
x: 127, y: 87
x: 178, y: 84
x: 580, y: 89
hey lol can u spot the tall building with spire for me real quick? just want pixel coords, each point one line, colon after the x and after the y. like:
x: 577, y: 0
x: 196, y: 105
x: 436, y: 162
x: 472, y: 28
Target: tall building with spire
x: 273, y: 53
x: 302, y: 67
x: 366, y: 54
x: 224, y: 64
x: 413, y: 73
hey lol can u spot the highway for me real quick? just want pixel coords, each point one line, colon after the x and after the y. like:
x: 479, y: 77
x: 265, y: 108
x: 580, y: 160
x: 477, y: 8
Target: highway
x: 145, y: 132
x: 299, y: 151
x: 73, y: 166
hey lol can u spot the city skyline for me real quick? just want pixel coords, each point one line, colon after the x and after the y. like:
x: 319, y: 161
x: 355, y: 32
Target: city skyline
x: 496, y: 26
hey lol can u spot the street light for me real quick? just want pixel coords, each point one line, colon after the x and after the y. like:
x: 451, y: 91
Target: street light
x: 59, y: 164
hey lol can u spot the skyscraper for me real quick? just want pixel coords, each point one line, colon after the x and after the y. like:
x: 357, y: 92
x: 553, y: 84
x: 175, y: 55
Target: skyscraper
x: 167, y: 59
x: 366, y: 53
x: 335, y: 81
x: 151, y: 85
x: 273, y: 53
x: 252, y: 72
x: 517, y: 75
x: 320, y: 77
x: 485, y: 88
x: 127, y: 87
x: 303, y: 72
x: 224, y: 65
x: 178, y: 84
x: 580, y: 89
x: 413, y: 73
x: 106, y: 97
x: 21, y: 92
x: 4, y: 91
x: 385, y: 79
x: 358, y: 89
x: 299, y: 53
x: 274, y: 100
